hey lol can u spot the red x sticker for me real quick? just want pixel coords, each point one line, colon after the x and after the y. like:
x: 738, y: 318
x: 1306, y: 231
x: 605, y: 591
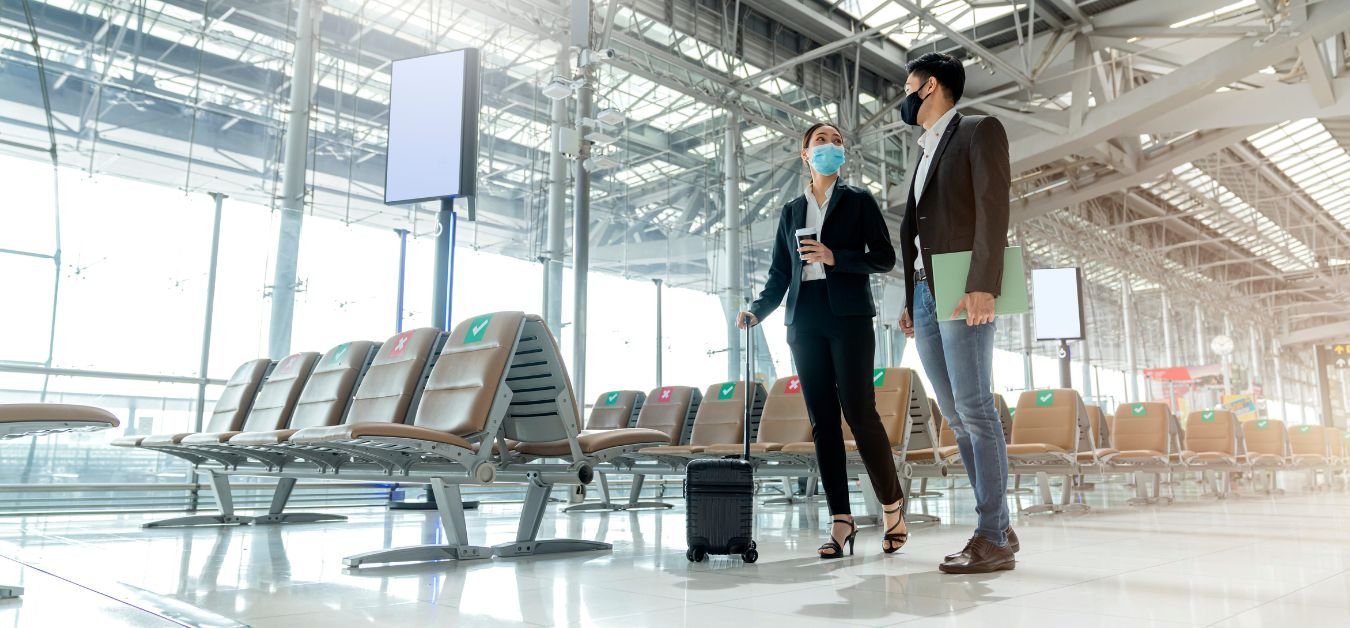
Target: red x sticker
x: 794, y: 385
x: 401, y: 343
x: 666, y: 394
x: 288, y: 363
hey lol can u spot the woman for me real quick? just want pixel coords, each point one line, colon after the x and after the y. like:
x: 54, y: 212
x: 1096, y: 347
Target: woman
x: 843, y: 240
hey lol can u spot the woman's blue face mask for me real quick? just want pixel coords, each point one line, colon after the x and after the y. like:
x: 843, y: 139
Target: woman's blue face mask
x: 827, y: 159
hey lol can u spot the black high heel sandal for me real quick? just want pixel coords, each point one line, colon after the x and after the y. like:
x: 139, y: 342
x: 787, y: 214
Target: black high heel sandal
x: 837, y: 545
x: 895, y: 537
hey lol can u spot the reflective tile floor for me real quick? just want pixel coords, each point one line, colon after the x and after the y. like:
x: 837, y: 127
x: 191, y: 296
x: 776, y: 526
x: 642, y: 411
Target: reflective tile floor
x: 1244, y: 562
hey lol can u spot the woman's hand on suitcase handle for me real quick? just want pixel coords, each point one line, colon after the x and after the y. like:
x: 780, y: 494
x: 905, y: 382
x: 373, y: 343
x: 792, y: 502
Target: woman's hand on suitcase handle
x: 907, y: 324
x: 746, y: 320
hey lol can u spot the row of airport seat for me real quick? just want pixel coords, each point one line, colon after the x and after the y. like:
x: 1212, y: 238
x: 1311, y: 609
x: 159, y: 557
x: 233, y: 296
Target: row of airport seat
x: 1055, y: 434
x: 469, y: 407
x: 491, y: 402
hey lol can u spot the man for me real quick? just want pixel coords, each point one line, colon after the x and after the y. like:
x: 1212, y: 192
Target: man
x: 958, y: 201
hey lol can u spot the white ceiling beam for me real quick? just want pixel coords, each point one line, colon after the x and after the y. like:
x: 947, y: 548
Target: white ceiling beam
x: 1324, y: 333
x: 969, y: 44
x: 1066, y: 196
x: 1193, y: 32
x: 1267, y: 106
x: 1319, y: 75
x: 1128, y: 112
x: 1070, y: 8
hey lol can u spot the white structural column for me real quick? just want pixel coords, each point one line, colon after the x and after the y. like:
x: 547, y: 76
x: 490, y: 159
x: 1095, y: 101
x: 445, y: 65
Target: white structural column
x: 293, y: 179
x: 1279, y: 384
x: 732, y: 225
x: 1132, y: 365
x: 557, y: 211
x: 1200, y: 353
x: 1028, y: 374
x: 1169, y: 350
x: 1227, y: 359
x: 1254, y: 370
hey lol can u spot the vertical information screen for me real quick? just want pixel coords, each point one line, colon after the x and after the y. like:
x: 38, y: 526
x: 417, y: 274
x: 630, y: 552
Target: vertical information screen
x: 1058, y: 303
x: 433, y: 127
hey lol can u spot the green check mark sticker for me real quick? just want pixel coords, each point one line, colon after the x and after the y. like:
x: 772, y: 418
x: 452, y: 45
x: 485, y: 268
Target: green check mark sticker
x: 726, y: 391
x: 1207, y: 415
x: 477, y: 327
x: 1138, y: 410
x: 1012, y: 412
x: 878, y: 377
x: 1305, y: 428
x: 612, y: 398
x: 341, y: 351
x: 1046, y: 398
x: 1262, y: 424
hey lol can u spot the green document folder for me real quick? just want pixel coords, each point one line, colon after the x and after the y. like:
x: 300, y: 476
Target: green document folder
x: 948, y: 280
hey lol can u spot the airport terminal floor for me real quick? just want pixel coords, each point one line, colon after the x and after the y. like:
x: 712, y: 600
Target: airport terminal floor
x: 622, y: 312
x: 1245, y: 562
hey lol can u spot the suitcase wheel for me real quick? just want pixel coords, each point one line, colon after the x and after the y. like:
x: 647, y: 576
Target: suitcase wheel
x: 696, y: 554
x: 750, y: 555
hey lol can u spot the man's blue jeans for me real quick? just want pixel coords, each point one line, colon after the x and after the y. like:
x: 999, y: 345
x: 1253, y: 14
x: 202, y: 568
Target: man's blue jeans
x: 958, y: 360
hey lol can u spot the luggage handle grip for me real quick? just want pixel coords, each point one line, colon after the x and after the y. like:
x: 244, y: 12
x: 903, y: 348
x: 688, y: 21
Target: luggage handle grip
x: 749, y: 387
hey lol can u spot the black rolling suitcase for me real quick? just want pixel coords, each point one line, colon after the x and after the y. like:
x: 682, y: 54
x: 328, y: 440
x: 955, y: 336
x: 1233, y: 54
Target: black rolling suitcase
x: 719, y: 494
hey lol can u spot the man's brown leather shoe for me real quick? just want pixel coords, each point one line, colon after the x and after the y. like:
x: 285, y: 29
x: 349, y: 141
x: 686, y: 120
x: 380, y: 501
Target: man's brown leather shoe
x: 1013, y: 544
x: 980, y: 556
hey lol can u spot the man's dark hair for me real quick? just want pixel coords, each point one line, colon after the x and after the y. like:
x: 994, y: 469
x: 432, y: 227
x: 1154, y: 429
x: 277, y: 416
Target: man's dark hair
x: 945, y: 68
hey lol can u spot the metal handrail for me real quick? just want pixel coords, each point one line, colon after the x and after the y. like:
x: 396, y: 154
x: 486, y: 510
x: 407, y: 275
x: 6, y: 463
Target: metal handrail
x: 139, y: 377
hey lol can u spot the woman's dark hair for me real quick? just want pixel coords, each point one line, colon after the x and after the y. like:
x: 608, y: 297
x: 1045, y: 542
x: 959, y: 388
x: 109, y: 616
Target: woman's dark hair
x: 806, y: 139
x: 945, y: 68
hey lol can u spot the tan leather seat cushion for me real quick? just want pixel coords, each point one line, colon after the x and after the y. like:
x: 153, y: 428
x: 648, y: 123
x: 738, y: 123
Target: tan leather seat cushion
x: 1031, y: 449
x: 922, y: 455
x: 274, y: 437
x: 1137, y: 454
x: 127, y: 441
x: 164, y: 439
x: 1087, y: 456
x: 55, y: 412
x: 594, y: 441
x: 1264, y: 458
x: 209, y: 438
x: 809, y: 448
x: 1309, y: 459
x: 755, y: 448
x: 672, y: 450
x: 1210, y: 456
x: 353, y: 431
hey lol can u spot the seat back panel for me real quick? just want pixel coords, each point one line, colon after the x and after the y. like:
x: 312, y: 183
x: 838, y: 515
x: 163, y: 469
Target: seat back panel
x: 468, y: 374
x: 892, y: 387
x: 237, y: 399
x: 1212, y: 431
x: 328, y: 393
x: 1266, y: 436
x: 276, y: 400
x: 1308, y: 440
x: 667, y: 410
x: 784, y: 419
x: 720, y: 417
x: 1051, y: 417
x: 387, y: 390
x: 615, y: 409
x: 1142, y: 427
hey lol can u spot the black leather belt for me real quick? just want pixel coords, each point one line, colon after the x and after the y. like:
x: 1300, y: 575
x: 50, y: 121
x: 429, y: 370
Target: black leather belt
x: 920, y: 276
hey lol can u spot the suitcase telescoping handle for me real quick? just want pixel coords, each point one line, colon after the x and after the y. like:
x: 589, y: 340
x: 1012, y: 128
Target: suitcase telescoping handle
x: 749, y: 388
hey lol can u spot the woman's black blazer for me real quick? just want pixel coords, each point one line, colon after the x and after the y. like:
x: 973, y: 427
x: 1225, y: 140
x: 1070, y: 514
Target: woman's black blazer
x: 855, y: 231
